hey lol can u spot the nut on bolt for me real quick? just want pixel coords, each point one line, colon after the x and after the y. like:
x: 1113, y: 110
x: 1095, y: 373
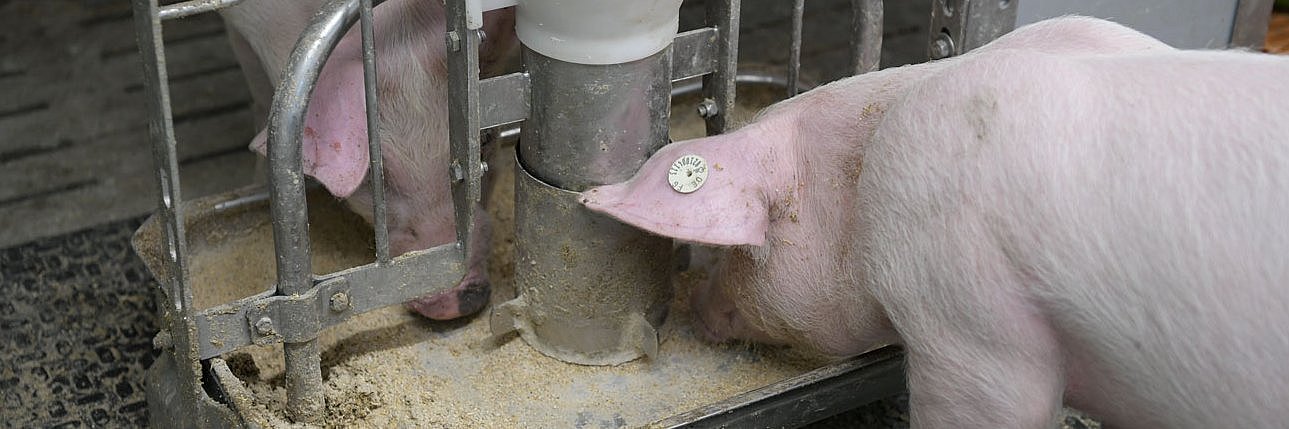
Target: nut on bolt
x: 708, y: 108
x: 458, y: 174
x: 942, y: 47
x: 339, y: 301
x: 454, y: 41
x: 264, y: 326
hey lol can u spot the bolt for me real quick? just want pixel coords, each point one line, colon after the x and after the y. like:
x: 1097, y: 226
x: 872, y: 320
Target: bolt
x: 264, y: 326
x: 483, y: 166
x: 942, y: 47
x: 339, y: 301
x: 454, y: 41
x: 483, y: 35
x: 708, y: 108
x: 457, y: 174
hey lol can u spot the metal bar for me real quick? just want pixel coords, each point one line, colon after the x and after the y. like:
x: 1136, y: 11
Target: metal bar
x: 305, y: 402
x: 693, y: 53
x: 1251, y: 20
x: 165, y: 161
x: 193, y: 7
x: 174, y: 382
x: 806, y: 398
x: 959, y: 26
x: 865, y: 35
x: 466, y: 167
x: 377, y: 170
x: 794, y: 49
x: 337, y: 298
x: 718, y: 87
x: 503, y: 100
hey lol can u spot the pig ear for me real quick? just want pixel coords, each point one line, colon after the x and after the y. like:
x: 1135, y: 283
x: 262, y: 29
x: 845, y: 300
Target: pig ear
x: 335, y: 129
x: 729, y: 209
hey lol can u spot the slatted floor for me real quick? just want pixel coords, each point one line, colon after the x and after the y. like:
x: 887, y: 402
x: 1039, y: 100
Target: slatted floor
x: 74, y: 149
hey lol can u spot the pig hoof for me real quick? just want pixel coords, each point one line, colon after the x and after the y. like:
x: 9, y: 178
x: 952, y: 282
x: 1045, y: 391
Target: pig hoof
x: 463, y: 300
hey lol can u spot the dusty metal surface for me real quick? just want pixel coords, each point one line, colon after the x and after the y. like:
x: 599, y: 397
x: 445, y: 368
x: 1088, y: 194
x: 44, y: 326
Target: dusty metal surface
x: 959, y: 26
x: 591, y: 289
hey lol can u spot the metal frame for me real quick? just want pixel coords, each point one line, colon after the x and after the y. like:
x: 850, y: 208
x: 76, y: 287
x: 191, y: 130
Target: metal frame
x: 301, y: 305
x: 959, y: 26
x: 1251, y: 20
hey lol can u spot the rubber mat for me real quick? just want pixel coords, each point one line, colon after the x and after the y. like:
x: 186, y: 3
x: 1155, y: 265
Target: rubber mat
x: 76, y: 327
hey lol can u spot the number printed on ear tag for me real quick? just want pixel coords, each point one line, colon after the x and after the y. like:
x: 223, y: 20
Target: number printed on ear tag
x: 687, y: 174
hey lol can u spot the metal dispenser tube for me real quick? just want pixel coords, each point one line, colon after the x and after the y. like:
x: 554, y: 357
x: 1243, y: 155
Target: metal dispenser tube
x: 591, y: 290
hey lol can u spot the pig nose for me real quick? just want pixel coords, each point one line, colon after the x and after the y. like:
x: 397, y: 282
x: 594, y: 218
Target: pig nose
x: 712, y: 314
x: 467, y: 298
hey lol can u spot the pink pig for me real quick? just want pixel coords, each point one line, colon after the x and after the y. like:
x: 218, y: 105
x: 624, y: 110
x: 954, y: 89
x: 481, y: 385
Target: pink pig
x: 412, y: 77
x: 1074, y: 213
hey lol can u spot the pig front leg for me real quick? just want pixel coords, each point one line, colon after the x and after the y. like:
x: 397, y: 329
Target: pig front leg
x: 980, y: 352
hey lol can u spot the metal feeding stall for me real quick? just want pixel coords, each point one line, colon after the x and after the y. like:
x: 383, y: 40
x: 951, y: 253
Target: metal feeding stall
x: 616, y: 64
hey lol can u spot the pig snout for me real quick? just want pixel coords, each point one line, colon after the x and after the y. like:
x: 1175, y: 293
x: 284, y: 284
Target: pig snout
x: 716, y: 315
x: 474, y: 291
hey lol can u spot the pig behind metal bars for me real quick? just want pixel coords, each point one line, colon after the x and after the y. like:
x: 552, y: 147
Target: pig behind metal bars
x: 412, y: 70
x: 1075, y: 212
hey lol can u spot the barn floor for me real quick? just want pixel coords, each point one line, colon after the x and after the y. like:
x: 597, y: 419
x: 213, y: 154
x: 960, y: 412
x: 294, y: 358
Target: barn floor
x: 76, y: 320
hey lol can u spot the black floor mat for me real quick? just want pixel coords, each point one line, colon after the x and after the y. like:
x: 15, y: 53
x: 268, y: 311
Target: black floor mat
x: 76, y: 327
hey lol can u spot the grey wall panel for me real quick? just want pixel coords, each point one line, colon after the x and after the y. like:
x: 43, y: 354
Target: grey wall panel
x: 1190, y: 24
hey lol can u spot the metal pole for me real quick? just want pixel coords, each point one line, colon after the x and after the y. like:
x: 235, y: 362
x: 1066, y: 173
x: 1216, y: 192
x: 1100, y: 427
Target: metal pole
x: 718, y: 87
x: 377, y: 171
x: 865, y: 35
x: 794, y: 49
x: 305, y: 402
x: 591, y: 288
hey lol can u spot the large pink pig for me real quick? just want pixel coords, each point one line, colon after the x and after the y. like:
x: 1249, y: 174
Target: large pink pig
x: 1074, y: 213
x: 412, y: 69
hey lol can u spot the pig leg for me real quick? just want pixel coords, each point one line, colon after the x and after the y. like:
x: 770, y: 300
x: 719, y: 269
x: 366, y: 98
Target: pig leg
x: 980, y: 352
x: 474, y: 291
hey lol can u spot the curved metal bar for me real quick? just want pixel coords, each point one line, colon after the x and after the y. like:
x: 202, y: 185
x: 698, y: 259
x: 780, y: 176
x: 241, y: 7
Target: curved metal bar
x: 865, y: 35
x: 193, y: 7
x: 290, y: 212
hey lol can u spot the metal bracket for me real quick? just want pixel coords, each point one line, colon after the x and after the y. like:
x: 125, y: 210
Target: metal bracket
x: 959, y: 26
x: 718, y: 86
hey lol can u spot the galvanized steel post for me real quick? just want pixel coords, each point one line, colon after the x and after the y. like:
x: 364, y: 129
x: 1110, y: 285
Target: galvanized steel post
x: 591, y: 289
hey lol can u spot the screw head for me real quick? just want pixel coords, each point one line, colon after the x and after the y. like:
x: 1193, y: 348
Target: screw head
x: 339, y: 301
x: 942, y: 47
x: 708, y: 108
x: 264, y: 326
